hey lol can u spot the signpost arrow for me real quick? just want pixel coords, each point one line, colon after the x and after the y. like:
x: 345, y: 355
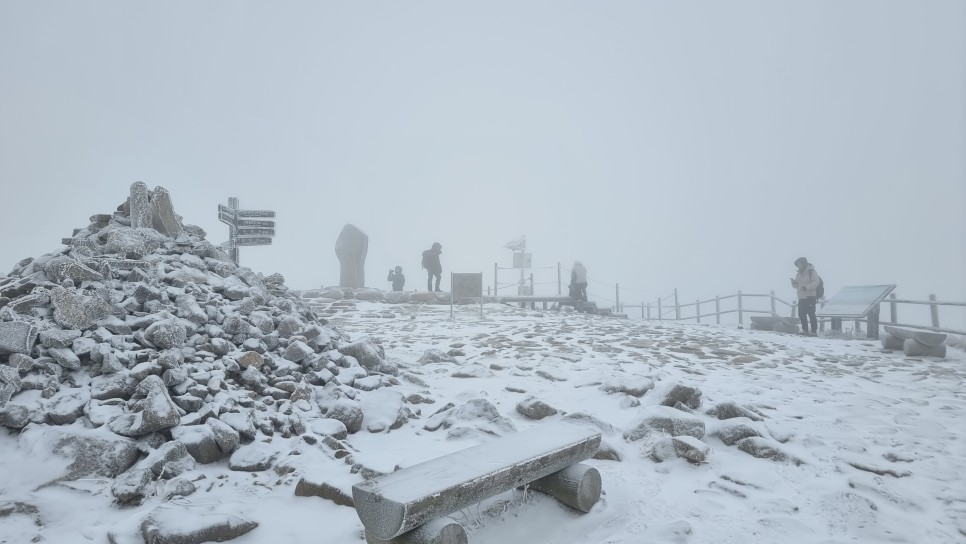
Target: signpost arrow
x: 256, y: 213
x: 242, y: 241
x: 241, y: 223
x: 254, y: 231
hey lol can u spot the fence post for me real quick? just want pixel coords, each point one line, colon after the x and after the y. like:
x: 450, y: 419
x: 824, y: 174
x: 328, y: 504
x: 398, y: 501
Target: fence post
x: 648, y: 310
x: 558, y: 278
x: 617, y: 300
x: 697, y: 310
x: 660, y: 314
x: 741, y: 315
x: 934, y: 310
x: 642, y: 310
x: 677, y: 308
x: 772, y: 296
x: 496, y: 289
x: 717, y: 310
x: 892, y: 309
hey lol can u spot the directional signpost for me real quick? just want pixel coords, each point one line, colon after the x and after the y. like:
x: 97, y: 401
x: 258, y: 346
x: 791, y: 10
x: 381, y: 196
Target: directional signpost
x: 246, y: 227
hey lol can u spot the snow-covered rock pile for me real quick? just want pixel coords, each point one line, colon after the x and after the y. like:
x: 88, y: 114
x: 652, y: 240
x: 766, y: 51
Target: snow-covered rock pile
x: 141, y: 350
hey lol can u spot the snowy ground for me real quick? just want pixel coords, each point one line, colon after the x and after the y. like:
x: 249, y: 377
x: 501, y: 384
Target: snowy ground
x: 880, y: 437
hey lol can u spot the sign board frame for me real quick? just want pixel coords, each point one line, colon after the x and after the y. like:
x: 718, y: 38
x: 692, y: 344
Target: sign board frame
x: 465, y: 285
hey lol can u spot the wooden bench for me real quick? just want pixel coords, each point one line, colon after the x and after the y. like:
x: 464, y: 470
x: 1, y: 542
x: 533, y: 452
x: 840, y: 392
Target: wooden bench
x: 774, y: 323
x: 532, y: 300
x: 913, y: 342
x: 406, y: 505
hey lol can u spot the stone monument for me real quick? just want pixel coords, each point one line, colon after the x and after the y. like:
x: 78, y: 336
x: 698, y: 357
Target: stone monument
x: 351, y: 248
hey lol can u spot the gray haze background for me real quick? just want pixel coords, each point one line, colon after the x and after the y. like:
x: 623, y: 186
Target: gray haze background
x: 698, y: 145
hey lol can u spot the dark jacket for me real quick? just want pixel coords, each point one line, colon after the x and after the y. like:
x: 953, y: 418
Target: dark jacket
x: 397, y: 279
x: 431, y: 261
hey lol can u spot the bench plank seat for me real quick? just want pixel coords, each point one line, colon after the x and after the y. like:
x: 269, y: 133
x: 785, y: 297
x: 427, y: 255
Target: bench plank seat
x: 395, y: 503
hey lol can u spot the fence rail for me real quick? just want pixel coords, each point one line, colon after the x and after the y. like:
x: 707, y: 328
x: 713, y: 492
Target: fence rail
x: 660, y: 310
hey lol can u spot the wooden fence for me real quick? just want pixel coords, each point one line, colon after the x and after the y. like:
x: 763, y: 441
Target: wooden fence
x: 670, y: 308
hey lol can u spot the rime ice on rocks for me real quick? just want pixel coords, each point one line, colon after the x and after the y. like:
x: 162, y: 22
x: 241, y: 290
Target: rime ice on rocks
x: 146, y: 332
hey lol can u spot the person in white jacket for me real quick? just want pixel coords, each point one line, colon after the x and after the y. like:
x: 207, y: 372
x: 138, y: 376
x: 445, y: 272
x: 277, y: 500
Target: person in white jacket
x: 806, y: 283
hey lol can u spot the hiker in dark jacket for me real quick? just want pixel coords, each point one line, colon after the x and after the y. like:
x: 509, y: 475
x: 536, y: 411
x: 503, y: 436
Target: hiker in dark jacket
x: 806, y: 284
x: 432, y: 265
x: 397, y: 279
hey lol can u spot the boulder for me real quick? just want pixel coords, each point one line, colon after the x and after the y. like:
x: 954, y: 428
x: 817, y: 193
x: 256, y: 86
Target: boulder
x: 534, y: 408
x: 665, y: 420
x: 688, y: 396
x: 17, y: 336
x: 686, y: 447
x: 194, y: 523
x: 153, y: 410
x: 729, y: 410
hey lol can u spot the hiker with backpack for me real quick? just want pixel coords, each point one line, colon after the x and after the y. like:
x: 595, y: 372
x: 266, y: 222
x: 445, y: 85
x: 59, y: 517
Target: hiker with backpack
x: 432, y: 265
x: 578, y: 281
x: 810, y: 288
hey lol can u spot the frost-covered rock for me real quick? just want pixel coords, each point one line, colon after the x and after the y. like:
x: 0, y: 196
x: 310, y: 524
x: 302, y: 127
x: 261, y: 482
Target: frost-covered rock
x: 635, y: 387
x: 731, y: 431
x: 384, y: 410
x: 685, y: 447
x: 665, y: 420
x: 152, y: 407
x: 534, y: 408
x: 476, y: 414
x: 435, y: 356
x: 683, y: 394
x: 194, y: 524
x: 254, y: 457
x: 763, y: 448
x: 67, y: 453
x: 166, y: 334
x: 17, y: 336
x: 729, y: 410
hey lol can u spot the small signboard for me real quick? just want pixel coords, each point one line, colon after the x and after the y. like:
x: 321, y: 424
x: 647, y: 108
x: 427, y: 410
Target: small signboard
x: 522, y: 260
x: 466, y: 285
x: 244, y: 231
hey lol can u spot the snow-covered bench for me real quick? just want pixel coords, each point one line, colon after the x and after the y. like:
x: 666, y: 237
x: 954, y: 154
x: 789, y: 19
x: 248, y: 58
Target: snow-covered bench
x: 774, y: 323
x: 913, y: 342
x: 405, y: 506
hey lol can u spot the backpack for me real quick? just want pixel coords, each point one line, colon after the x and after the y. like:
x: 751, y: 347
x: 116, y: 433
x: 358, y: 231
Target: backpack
x: 426, y: 259
x: 820, y: 290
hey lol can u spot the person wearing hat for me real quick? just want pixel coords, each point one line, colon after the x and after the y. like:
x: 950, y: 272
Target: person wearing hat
x: 432, y: 265
x: 806, y: 282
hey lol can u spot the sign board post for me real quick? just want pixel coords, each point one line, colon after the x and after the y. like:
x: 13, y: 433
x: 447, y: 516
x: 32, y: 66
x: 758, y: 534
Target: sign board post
x: 465, y: 285
x: 245, y: 227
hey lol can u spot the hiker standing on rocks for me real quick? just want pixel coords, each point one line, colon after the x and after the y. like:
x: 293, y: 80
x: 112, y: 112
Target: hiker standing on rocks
x: 578, y: 281
x: 807, y: 284
x: 397, y: 279
x: 432, y: 265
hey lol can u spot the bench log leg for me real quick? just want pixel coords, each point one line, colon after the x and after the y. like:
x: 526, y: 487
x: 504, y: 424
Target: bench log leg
x: 438, y: 531
x: 891, y: 342
x: 577, y: 486
x: 914, y: 348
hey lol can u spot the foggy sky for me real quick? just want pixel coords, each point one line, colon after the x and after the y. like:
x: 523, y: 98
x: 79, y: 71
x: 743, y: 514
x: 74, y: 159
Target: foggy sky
x: 698, y: 145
